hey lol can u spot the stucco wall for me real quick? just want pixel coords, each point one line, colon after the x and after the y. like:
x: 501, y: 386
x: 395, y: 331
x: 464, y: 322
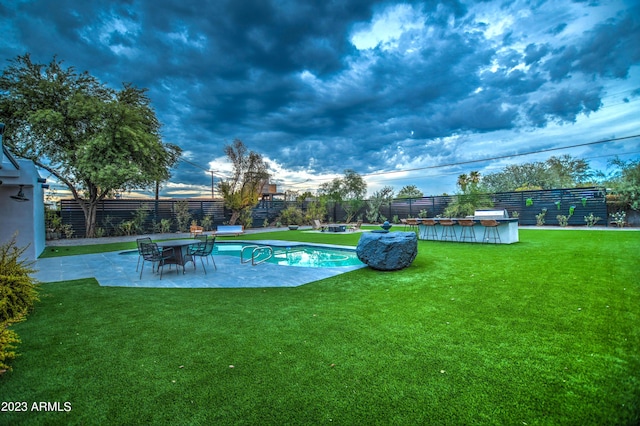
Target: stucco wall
x: 24, y: 217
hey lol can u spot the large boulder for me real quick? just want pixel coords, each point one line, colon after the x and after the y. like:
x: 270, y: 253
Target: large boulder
x: 387, y: 251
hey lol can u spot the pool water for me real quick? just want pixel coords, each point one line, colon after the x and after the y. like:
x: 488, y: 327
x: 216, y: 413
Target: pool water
x: 294, y: 255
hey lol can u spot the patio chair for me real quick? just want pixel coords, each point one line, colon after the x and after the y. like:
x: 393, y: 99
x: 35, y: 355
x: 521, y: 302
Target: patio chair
x: 139, y: 242
x: 195, y: 230
x: 152, y: 253
x: 203, y: 249
x: 319, y: 226
x: 356, y: 227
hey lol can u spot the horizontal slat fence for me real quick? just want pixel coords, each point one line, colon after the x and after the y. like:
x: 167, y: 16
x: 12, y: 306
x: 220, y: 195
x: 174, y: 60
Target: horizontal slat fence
x: 112, y: 212
x: 585, y: 201
x: 556, y: 202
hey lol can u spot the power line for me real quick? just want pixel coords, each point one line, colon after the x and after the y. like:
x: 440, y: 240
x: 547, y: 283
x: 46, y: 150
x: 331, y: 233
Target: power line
x: 491, y: 168
x: 201, y: 167
x: 501, y: 157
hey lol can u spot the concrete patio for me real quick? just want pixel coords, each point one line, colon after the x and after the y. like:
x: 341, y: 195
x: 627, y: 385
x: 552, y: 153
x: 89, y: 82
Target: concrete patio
x: 117, y: 270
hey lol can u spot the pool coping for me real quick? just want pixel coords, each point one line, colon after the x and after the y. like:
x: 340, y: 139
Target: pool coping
x: 111, y: 269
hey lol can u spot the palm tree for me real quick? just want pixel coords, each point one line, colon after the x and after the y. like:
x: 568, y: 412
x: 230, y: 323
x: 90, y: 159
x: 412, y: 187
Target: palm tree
x: 463, y: 181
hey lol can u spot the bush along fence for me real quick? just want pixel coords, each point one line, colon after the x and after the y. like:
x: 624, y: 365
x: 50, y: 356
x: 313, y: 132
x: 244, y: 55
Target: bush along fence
x: 558, y: 207
x: 133, y: 217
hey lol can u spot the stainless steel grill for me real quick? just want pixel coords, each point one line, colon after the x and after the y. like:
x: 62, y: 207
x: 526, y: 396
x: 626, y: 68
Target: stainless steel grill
x: 490, y: 214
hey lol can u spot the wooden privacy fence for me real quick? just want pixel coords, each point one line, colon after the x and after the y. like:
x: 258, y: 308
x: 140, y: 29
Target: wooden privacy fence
x: 526, y: 204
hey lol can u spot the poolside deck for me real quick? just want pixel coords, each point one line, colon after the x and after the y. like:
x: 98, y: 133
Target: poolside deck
x: 115, y: 270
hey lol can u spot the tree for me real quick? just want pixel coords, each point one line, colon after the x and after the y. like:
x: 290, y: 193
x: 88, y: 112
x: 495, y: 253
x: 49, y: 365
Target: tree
x: 556, y: 172
x: 242, y: 191
x: 471, y: 197
x: 380, y: 198
x: 473, y: 180
x: 93, y: 139
x: 567, y: 171
x: 625, y: 184
x: 349, y: 191
x: 410, y: 191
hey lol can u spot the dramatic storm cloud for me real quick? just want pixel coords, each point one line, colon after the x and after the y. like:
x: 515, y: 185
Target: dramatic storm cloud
x: 318, y: 87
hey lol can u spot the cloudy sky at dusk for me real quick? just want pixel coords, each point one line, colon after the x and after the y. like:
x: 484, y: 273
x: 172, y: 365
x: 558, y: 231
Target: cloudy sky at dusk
x: 401, y: 92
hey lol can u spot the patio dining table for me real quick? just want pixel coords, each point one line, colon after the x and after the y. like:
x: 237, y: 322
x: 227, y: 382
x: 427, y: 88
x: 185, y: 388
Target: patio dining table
x: 180, y: 248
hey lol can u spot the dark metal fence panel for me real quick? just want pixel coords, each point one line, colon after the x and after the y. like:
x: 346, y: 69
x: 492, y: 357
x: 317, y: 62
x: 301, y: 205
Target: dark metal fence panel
x: 110, y: 213
x: 575, y: 203
x: 527, y: 204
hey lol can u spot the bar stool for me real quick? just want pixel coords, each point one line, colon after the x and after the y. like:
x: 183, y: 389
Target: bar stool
x: 412, y: 224
x: 467, y: 232
x: 448, y: 231
x: 491, y: 231
x: 429, y: 229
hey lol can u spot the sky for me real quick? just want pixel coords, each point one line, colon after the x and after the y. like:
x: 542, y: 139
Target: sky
x: 403, y: 93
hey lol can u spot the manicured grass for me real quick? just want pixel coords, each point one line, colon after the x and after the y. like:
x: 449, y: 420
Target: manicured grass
x: 56, y: 251
x: 546, y: 331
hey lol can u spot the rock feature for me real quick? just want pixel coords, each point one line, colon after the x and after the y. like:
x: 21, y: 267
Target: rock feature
x: 387, y: 251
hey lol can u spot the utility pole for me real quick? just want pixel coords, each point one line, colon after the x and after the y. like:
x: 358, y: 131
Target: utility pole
x: 212, y: 186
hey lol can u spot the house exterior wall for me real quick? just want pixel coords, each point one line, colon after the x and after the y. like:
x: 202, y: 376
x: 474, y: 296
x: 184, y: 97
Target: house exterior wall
x: 26, y: 218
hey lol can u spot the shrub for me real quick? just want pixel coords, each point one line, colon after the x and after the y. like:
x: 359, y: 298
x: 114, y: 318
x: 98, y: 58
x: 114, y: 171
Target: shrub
x: 109, y: 226
x: 139, y: 218
x: 18, y: 293
x: 540, y: 217
x: 292, y: 215
x: 183, y: 217
x: 126, y: 227
x: 619, y: 218
x: 53, y: 221
x: 68, y: 230
x: 245, y: 218
x: 591, y: 220
x: 316, y: 209
x: 563, y: 220
x: 165, y: 225
x: 207, y: 222
x: 467, y: 203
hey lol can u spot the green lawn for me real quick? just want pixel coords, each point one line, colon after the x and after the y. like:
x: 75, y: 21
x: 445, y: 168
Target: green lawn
x: 546, y: 331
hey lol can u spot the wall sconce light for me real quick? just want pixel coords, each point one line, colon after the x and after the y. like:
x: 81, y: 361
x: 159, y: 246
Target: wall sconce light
x: 20, y: 195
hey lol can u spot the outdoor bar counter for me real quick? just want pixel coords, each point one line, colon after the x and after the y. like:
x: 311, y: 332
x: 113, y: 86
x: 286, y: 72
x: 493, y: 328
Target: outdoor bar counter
x: 506, y: 231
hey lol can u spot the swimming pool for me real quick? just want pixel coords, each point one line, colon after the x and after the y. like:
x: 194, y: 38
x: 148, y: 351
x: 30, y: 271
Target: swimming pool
x: 293, y: 254
x: 286, y: 254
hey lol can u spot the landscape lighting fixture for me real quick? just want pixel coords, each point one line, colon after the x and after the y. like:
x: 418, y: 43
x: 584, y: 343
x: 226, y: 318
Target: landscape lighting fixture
x: 20, y: 195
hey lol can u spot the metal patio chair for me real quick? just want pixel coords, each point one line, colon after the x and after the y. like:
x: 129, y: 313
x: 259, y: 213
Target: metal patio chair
x: 139, y: 242
x: 152, y: 253
x: 204, y: 249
